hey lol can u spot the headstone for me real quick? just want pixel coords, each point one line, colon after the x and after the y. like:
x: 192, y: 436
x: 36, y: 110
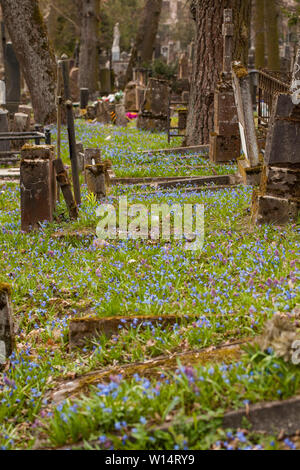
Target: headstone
x: 38, y: 185
x: 278, y: 201
x: 21, y: 123
x: 84, y: 98
x: 4, y: 144
x: 6, y: 324
x: 80, y: 156
x: 116, y: 44
x: 153, y: 115
x: 74, y: 84
x: 243, y: 98
x: 103, y: 113
x: 183, y: 67
x: 225, y: 141
x: 94, y: 171
x: 12, y: 79
x: 105, y: 81
x: 121, y: 115
x: 25, y: 109
x: 2, y: 93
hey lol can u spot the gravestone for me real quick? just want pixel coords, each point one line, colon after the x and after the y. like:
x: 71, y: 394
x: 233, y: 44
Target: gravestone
x: 183, y: 67
x: 74, y: 84
x: 12, y: 79
x: 21, y: 123
x: 94, y: 171
x: 225, y: 140
x: 6, y: 324
x: 2, y: 93
x: 84, y: 98
x: 38, y: 185
x: 278, y: 200
x: 153, y: 115
x: 116, y: 44
x: 4, y: 144
x: 103, y: 113
x: 105, y: 81
x: 121, y: 119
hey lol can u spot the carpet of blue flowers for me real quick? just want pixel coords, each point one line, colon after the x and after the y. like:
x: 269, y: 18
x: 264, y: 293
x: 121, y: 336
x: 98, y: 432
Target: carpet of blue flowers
x: 243, y: 275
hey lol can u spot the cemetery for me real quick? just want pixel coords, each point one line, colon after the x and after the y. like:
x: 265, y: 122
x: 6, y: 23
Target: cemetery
x: 150, y: 225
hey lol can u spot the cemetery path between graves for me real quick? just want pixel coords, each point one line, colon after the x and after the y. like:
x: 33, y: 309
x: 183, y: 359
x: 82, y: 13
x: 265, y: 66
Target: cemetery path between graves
x: 174, y: 363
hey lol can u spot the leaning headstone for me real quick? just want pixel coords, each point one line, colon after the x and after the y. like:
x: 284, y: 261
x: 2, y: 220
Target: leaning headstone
x: 153, y: 115
x: 225, y: 140
x: 250, y: 166
x: 13, y: 79
x: 6, y: 324
x: 4, y: 144
x: 278, y: 200
x: 38, y: 185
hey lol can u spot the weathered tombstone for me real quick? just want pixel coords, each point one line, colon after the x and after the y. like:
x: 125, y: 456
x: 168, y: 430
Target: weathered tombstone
x: 6, y: 324
x: 84, y: 98
x: 278, y: 200
x: 121, y: 119
x: 182, y: 119
x: 23, y: 108
x: 225, y: 140
x: 103, y: 114
x: 12, y: 79
x: 250, y: 167
x: 80, y: 156
x: 4, y: 144
x: 37, y: 184
x: 183, y: 67
x: 153, y: 115
x: 116, y: 44
x: 105, y: 81
x: 94, y: 171
x: 2, y: 93
x: 21, y: 123
x: 74, y: 86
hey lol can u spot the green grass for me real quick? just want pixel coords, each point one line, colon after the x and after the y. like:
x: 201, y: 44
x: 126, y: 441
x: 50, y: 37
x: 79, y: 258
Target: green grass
x: 243, y: 275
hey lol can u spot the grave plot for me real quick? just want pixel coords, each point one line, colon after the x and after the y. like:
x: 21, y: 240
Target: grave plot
x: 182, y: 379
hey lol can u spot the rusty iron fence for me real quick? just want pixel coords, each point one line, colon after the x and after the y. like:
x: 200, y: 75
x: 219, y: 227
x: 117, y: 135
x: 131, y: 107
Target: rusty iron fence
x: 269, y: 85
x: 179, y: 107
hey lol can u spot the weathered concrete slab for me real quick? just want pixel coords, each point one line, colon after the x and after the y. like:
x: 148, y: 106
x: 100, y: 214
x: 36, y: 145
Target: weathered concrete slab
x: 173, y: 181
x: 275, y: 210
x: 6, y: 324
x: 179, y: 150
x: 214, y: 354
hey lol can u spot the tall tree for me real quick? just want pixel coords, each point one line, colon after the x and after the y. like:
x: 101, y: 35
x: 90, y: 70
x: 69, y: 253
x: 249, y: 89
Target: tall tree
x: 142, y: 50
x: 89, y: 45
x: 28, y: 34
x: 259, y: 34
x: 272, y: 35
x: 208, y: 59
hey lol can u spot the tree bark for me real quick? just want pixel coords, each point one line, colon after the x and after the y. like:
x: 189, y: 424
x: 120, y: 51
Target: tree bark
x: 28, y: 34
x: 143, y: 48
x: 272, y: 36
x: 89, y: 46
x: 259, y: 34
x: 208, y: 59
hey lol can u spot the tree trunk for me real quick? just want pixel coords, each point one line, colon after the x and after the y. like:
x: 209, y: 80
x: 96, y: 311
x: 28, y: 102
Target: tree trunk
x: 89, y: 46
x: 28, y: 34
x: 271, y: 19
x: 259, y: 34
x: 208, y: 60
x: 143, y: 48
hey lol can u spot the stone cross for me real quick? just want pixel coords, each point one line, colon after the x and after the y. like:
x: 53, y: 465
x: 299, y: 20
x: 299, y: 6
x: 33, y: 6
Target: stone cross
x: 227, y: 31
x: 295, y: 85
